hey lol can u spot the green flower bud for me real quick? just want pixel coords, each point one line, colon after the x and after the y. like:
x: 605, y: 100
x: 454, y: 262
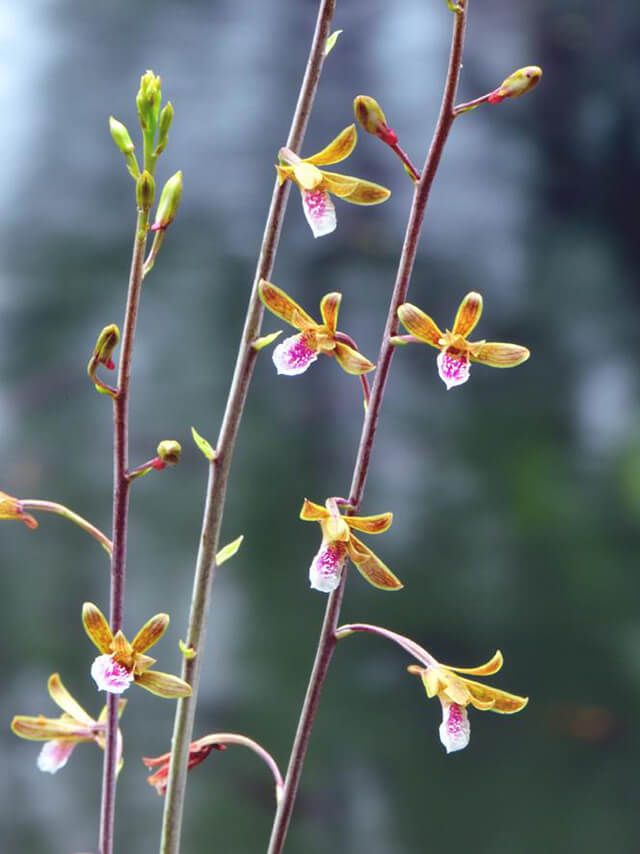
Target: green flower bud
x: 370, y: 116
x: 516, y: 84
x: 148, y: 101
x: 169, y: 451
x: 145, y: 191
x: 120, y: 136
x: 164, y: 123
x: 107, y: 341
x: 169, y: 203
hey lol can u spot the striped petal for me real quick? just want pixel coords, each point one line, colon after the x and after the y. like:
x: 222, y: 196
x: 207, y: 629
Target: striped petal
x: 96, y: 626
x: 487, y: 669
x: 370, y: 524
x: 67, y: 703
x: 454, y: 368
x: 420, y: 324
x: 294, y: 355
x: 371, y: 567
x: 164, y: 684
x: 468, y: 314
x: 337, y: 150
x: 312, y: 512
x: 150, y: 633
x: 327, y: 566
x: 484, y: 696
x: 319, y: 211
x: 281, y: 304
x: 329, y: 308
x: 455, y: 729
x: 340, y: 185
x: 367, y: 193
x: 352, y: 361
x: 500, y: 355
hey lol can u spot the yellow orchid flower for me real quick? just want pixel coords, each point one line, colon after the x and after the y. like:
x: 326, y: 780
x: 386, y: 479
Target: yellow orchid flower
x: 339, y: 544
x: 456, y: 352
x: 11, y: 508
x: 294, y: 355
x: 122, y: 663
x: 316, y: 184
x: 63, y: 733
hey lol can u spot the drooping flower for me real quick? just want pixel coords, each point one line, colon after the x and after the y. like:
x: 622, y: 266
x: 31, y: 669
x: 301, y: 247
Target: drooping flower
x: 122, y: 663
x: 62, y: 734
x: 197, y: 753
x: 339, y: 544
x: 456, y: 352
x: 316, y: 184
x: 456, y: 693
x: 11, y: 508
x: 294, y: 355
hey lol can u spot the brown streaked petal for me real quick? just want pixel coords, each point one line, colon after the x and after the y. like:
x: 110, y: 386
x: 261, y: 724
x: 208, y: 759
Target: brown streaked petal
x: 352, y: 361
x: 313, y: 512
x: 340, y: 185
x: 44, y: 729
x: 484, y: 696
x: 283, y: 306
x: 371, y: 567
x: 121, y: 648
x: 96, y: 626
x: 142, y: 663
x: 337, y: 150
x: 163, y: 684
x: 367, y: 193
x: 150, y: 633
x: 487, y: 669
x: 329, y: 308
x: 370, y: 524
x: 498, y: 355
x: 468, y: 314
x: 420, y: 325
x: 61, y: 697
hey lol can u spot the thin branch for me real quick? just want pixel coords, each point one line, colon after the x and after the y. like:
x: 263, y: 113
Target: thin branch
x: 66, y: 513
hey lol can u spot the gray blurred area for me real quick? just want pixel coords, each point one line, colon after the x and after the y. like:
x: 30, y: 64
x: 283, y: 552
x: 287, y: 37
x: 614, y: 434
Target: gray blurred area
x: 516, y: 497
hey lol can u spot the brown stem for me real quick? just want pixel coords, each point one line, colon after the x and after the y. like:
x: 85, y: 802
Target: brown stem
x: 219, y: 469
x: 120, y: 515
x: 327, y: 640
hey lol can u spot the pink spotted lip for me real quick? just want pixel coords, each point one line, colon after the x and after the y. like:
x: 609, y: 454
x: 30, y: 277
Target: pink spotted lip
x: 293, y: 355
x: 319, y: 211
x: 327, y: 566
x: 454, y: 368
x: 109, y: 675
x: 455, y: 730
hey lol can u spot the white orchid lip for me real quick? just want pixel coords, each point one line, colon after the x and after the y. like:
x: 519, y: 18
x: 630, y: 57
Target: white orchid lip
x: 109, y: 675
x: 54, y: 755
x: 454, y: 368
x: 319, y: 211
x: 327, y: 567
x: 293, y: 355
x: 455, y: 729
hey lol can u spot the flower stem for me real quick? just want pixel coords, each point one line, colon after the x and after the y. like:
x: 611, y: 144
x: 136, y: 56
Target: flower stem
x: 121, y: 488
x: 66, y: 513
x: 219, y: 469
x: 244, y: 741
x: 470, y: 105
x: 406, y: 162
x: 327, y: 640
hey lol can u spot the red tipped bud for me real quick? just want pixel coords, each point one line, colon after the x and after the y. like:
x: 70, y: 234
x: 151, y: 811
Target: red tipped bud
x: 370, y: 116
x: 516, y: 84
x: 169, y: 452
x: 169, y: 203
x: 105, y: 345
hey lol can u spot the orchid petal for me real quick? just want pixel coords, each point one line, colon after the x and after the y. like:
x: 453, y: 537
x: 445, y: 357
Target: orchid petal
x: 500, y: 355
x: 500, y: 701
x: 352, y: 361
x: 287, y: 309
x: 96, y: 626
x: 329, y: 308
x: 455, y: 729
x: 371, y: 567
x: 468, y: 314
x: 307, y: 176
x: 54, y: 755
x: 454, y: 368
x: 294, y: 355
x: 367, y: 193
x: 339, y: 185
x: 420, y: 325
x: 59, y: 729
x: 327, y: 566
x: 337, y: 150
x: 319, y: 211
x: 312, y: 512
x: 150, y: 633
x: 163, y: 684
x: 370, y: 524
x: 61, y: 697
x: 109, y: 675
x: 487, y: 669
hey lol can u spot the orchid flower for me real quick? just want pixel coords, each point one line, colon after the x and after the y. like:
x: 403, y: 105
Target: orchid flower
x: 11, y: 508
x: 316, y: 184
x: 122, y: 663
x: 456, y: 352
x: 294, y: 355
x: 339, y: 544
x: 64, y: 733
x: 159, y: 778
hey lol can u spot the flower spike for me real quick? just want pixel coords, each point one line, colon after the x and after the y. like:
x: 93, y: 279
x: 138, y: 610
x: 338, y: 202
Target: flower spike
x: 294, y: 355
x: 456, y: 351
x: 339, y: 545
x: 316, y: 184
x: 122, y: 663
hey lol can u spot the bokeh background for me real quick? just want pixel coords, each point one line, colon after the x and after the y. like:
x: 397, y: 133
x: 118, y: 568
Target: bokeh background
x: 516, y: 498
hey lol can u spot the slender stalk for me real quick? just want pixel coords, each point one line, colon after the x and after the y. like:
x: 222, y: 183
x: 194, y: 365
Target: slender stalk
x: 471, y: 105
x: 219, y: 469
x: 121, y: 486
x: 406, y: 161
x: 327, y: 640
x: 244, y: 741
x: 66, y: 513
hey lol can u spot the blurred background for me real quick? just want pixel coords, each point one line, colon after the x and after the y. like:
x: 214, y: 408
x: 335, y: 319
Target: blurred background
x: 516, y: 497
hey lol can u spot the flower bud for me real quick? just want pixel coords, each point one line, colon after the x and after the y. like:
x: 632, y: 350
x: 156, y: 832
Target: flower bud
x: 120, y: 136
x: 105, y: 345
x: 145, y: 191
x: 148, y: 101
x: 169, y: 203
x: 169, y: 451
x: 516, y: 84
x: 370, y: 116
x: 164, y: 123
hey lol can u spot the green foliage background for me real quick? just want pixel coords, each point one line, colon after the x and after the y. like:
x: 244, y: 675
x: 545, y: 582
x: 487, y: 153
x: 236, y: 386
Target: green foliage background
x: 516, y: 498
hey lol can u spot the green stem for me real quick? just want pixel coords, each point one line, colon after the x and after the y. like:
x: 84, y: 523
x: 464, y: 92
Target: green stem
x: 327, y: 640
x: 219, y: 470
x: 66, y: 513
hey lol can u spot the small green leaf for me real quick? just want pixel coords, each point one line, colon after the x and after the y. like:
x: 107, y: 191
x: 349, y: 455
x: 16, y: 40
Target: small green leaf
x: 331, y: 42
x: 261, y: 343
x: 229, y: 550
x: 188, y: 651
x: 455, y: 7
x: 203, y: 445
